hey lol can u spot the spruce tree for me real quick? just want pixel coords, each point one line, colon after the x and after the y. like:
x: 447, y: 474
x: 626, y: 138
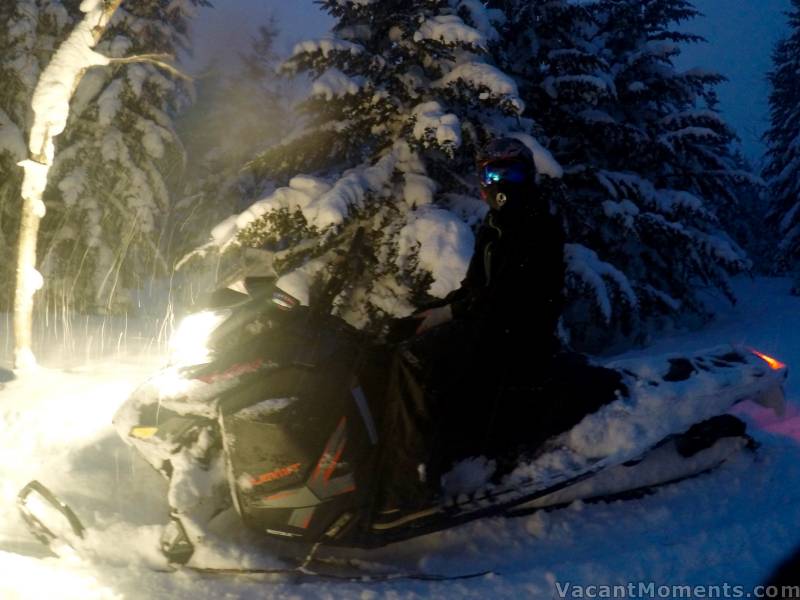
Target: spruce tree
x: 782, y: 171
x: 402, y: 94
x: 646, y: 155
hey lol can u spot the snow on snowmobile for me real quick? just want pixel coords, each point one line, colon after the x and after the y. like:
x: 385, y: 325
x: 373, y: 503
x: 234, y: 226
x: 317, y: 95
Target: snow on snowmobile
x: 274, y: 409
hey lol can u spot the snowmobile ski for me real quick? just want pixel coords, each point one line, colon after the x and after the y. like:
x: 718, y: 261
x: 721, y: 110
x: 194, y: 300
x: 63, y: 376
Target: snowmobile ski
x: 34, y: 501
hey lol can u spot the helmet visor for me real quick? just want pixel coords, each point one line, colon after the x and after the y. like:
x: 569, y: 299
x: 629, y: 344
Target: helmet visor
x: 504, y: 172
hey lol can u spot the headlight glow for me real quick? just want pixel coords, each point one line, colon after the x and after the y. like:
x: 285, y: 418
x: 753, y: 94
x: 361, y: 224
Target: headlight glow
x: 189, y: 343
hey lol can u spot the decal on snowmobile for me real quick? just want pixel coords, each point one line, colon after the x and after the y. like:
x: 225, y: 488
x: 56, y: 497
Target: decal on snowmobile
x: 326, y: 487
x: 320, y: 486
x: 144, y: 433
x: 284, y: 301
x: 279, y: 473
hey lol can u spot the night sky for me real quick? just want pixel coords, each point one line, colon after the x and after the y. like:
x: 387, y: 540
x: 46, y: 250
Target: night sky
x: 741, y: 35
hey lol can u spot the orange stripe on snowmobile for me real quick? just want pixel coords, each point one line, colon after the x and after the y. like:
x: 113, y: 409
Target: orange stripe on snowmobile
x: 276, y: 474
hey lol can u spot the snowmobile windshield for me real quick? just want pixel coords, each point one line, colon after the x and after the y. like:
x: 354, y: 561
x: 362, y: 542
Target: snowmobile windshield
x: 504, y: 172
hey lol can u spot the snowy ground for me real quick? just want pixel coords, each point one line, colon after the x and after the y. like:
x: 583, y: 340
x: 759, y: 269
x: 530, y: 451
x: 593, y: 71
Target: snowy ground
x: 731, y: 526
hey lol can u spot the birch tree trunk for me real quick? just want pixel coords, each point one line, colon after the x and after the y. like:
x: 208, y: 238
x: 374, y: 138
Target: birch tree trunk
x: 50, y: 104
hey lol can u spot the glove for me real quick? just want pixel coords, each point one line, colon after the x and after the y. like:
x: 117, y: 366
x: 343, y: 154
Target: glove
x: 433, y: 317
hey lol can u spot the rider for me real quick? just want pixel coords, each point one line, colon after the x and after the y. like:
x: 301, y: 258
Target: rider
x: 516, y: 276
x: 451, y: 385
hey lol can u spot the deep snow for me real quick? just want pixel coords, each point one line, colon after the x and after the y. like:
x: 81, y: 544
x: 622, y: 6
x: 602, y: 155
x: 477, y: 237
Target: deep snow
x: 731, y: 526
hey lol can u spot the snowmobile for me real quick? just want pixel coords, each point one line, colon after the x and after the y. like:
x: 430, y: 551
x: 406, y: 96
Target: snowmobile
x: 273, y: 409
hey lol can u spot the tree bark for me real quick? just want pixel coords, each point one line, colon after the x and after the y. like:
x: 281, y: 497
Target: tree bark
x: 25, y: 289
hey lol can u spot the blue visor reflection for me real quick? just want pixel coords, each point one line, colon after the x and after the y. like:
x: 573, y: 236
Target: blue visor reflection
x: 511, y: 173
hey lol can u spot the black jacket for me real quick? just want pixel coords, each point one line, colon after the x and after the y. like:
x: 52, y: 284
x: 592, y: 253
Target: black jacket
x: 515, y: 280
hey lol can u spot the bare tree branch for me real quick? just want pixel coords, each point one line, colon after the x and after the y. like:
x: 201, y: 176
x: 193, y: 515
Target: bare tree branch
x: 156, y: 59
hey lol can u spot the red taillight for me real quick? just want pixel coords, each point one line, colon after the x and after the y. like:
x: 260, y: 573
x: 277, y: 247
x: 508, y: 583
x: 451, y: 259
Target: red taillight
x: 773, y: 363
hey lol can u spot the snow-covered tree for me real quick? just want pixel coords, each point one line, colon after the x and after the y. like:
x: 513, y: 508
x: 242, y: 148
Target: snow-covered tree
x: 402, y: 94
x: 746, y: 220
x: 54, y: 88
x: 783, y: 145
x: 30, y: 31
x: 117, y: 164
x: 646, y: 156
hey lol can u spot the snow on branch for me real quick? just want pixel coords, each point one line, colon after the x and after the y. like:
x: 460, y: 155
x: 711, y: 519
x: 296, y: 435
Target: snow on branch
x: 432, y: 126
x: 441, y: 243
x: 322, y: 205
x: 449, y: 29
x: 586, y: 266
x: 301, y: 191
x: 690, y: 134
x: 333, y: 207
x: 484, y: 76
x: 673, y: 202
x: 326, y: 46
x: 546, y: 163
x: 334, y: 84
x: 483, y: 18
x: 60, y: 78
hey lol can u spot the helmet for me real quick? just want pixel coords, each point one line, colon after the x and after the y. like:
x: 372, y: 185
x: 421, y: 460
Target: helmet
x: 506, y: 169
